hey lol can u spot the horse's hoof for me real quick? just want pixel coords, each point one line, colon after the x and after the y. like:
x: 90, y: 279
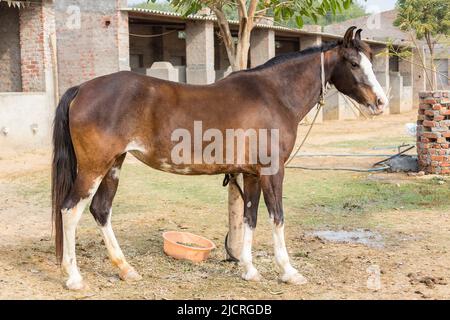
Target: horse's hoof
x: 130, y: 275
x: 294, y: 278
x: 76, y: 285
x: 252, y: 275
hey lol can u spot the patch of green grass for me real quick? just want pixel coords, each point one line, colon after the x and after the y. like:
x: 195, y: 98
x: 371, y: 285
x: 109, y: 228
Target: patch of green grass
x: 310, y: 198
x: 344, y: 192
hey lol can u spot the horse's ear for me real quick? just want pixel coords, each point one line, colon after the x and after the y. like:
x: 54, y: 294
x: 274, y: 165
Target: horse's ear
x: 358, y: 35
x: 348, y: 37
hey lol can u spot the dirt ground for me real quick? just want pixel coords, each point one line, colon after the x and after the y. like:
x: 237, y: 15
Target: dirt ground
x: 407, y: 217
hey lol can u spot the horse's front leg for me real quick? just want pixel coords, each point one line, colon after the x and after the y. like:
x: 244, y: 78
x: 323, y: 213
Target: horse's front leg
x: 272, y: 187
x: 252, y: 192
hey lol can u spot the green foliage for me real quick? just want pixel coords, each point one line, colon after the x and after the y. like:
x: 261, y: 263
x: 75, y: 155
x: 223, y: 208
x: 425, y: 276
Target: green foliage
x: 293, y: 13
x: 424, y: 17
x: 355, y: 10
x: 160, y: 6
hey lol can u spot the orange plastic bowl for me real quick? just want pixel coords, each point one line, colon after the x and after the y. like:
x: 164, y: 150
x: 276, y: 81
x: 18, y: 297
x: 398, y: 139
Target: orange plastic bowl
x: 175, y: 245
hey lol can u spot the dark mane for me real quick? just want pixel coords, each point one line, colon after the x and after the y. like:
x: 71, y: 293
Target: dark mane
x: 297, y: 54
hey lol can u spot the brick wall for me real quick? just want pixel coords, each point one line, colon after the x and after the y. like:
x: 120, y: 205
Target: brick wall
x: 10, y: 73
x: 95, y: 46
x: 32, y: 48
x: 433, y: 132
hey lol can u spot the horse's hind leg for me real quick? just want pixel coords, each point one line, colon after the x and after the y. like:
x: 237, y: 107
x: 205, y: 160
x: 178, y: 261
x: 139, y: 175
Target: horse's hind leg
x: 272, y: 190
x: 84, y: 188
x: 101, y: 210
x: 252, y: 192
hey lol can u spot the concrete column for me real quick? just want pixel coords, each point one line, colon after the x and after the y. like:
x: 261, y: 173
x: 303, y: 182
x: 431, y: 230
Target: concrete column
x: 419, y: 76
x: 406, y: 69
x: 381, y: 68
x: 200, y: 52
x: 338, y: 107
x: 396, y: 84
x: 262, y: 46
x: 310, y: 41
x: 306, y: 42
x: 163, y: 70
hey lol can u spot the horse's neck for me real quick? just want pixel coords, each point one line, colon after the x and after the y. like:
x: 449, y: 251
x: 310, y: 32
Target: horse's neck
x: 301, y: 83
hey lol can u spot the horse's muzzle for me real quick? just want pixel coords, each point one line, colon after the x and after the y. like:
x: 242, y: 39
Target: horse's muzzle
x: 378, y: 108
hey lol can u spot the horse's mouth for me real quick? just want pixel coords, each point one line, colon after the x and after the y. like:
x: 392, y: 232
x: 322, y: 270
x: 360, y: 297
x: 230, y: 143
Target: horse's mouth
x: 374, y: 109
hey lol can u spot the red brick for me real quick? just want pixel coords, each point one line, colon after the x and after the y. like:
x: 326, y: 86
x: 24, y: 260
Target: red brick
x: 425, y: 106
x: 437, y: 158
x: 430, y: 135
x: 428, y: 123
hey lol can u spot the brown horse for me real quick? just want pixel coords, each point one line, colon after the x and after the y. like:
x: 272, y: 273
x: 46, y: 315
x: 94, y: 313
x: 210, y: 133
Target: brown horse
x: 100, y: 121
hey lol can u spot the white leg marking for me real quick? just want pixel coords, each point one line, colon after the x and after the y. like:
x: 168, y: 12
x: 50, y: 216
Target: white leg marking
x: 135, y: 145
x: 115, y: 173
x: 367, y: 68
x: 115, y: 253
x: 71, y: 217
x: 288, y: 273
x: 250, y: 272
x: 165, y: 166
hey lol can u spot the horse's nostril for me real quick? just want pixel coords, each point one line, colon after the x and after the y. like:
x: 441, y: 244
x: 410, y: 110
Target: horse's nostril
x: 379, y: 102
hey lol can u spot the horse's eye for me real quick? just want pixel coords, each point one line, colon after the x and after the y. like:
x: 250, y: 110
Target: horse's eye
x: 355, y: 65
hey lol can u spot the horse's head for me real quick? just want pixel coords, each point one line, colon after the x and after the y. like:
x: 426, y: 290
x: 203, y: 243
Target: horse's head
x: 354, y: 76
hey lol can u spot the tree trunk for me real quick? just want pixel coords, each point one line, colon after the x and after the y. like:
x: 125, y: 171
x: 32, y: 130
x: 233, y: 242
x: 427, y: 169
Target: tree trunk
x: 433, y: 77
x: 235, y: 219
x: 235, y: 201
x: 238, y: 57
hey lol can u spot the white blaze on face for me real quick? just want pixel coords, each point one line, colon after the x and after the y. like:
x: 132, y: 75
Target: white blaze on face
x: 367, y: 68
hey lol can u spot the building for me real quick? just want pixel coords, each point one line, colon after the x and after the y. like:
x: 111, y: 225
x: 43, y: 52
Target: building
x: 48, y: 46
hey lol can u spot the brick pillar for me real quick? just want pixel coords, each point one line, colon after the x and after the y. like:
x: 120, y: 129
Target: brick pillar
x: 123, y: 40
x: 200, y: 52
x: 262, y: 46
x: 433, y: 132
x: 32, y: 48
x: 92, y: 40
x: 306, y: 42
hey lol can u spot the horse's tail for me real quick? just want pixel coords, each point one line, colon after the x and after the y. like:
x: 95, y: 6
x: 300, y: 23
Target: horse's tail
x: 64, y: 165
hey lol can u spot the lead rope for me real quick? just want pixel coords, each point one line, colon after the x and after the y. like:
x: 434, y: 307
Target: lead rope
x: 232, y: 178
x: 319, y: 105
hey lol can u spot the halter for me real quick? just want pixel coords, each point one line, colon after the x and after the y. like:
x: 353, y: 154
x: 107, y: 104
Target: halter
x: 321, y: 102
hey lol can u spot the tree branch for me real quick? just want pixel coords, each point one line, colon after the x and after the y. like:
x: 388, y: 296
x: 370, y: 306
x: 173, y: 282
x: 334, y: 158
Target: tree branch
x: 227, y: 38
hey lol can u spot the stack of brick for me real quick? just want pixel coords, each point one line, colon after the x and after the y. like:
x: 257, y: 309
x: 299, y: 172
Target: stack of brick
x: 433, y: 132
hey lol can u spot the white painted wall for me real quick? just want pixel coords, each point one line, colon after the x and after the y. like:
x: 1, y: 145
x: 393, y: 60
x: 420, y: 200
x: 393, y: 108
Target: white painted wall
x: 20, y: 113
